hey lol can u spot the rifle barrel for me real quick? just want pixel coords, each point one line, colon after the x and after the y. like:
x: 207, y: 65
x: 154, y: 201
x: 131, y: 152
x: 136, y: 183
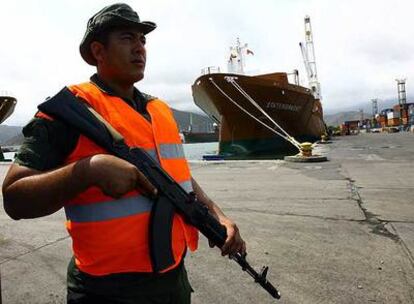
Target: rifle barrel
x: 259, y: 278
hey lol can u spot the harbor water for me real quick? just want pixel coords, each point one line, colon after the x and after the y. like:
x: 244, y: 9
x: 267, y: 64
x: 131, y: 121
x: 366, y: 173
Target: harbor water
x: 192, y: 151
x: 196, y: 151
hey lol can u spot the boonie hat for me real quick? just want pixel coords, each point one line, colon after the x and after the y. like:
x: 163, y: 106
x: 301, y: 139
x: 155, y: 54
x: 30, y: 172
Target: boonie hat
x: 119, y: 14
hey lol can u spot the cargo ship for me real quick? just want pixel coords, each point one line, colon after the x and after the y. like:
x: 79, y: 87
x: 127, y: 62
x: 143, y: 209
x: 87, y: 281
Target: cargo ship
x: 260, y: 116
x: 248, y: 133
x: 191, y: 136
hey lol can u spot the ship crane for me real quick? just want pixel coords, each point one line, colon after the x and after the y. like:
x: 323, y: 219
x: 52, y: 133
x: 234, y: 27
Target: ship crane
x: 308, y: 54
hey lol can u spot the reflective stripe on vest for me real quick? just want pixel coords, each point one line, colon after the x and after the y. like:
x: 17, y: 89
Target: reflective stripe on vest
x: 167, y: 151
x: 113, y: 209
x: 111, y: 235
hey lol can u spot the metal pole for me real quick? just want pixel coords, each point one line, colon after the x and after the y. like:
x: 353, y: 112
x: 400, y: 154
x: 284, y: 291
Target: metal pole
x: 402, y: 97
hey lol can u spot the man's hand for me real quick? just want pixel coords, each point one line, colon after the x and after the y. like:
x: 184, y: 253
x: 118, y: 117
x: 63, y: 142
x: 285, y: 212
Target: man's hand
x: 116, y: 177
x: 234, y: 242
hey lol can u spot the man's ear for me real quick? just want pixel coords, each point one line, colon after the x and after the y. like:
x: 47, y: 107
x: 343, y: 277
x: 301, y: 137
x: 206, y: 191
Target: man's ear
x: 98, y: 51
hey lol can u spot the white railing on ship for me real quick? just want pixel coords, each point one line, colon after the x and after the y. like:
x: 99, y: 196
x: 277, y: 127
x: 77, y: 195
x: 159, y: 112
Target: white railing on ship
x: 210, y: 70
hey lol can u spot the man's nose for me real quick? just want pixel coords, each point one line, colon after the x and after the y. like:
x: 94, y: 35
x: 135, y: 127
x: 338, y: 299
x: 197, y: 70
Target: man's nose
x: 139, y: 47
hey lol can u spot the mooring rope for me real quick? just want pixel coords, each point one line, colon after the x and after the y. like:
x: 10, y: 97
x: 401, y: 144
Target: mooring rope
x: 285, y: 136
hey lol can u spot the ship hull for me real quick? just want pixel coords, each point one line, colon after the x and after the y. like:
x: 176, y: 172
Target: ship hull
x: 291, y: 106
x: 7, y: 105
x: 200, y: 137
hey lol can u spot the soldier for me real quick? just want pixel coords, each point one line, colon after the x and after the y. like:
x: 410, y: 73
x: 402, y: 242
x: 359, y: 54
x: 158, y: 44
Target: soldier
x: 106, y: 199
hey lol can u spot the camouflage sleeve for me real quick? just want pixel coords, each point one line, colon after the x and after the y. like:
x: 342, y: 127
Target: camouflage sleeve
x: 46, y: 144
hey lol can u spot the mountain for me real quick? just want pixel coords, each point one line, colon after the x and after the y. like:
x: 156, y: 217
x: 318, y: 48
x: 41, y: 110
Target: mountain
x: 7, y: 133
x: 12, y: 135
x: 338, y: 118
x: 199, y: 122
x: 14, y: 141
x: 366, y: 106
x: 335, y: 117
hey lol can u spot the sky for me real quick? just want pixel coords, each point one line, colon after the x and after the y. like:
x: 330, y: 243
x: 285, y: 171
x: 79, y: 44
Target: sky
x: 361, y: 47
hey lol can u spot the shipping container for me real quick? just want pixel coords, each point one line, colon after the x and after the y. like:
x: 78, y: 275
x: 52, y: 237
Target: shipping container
x: 393, y: 122
x: 392, y: 115
x: 383, y: 120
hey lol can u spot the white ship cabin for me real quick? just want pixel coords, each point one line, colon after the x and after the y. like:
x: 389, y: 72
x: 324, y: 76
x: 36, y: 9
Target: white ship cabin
x: 235, y: 62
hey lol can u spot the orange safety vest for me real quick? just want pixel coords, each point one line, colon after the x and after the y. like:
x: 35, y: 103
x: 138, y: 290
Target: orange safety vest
x: 111, y: 235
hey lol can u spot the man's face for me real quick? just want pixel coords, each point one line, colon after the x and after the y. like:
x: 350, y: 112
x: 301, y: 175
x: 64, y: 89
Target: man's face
x: 123, y: 57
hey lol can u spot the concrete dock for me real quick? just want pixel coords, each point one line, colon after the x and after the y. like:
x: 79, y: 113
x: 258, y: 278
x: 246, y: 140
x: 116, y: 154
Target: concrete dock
x: 341, y: 231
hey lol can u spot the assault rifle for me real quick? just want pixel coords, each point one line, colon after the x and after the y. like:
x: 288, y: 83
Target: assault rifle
x: 171, y: 196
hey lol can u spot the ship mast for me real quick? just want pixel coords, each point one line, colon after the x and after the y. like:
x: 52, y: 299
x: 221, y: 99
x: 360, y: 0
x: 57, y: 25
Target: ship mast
x: 190, y: 127
x: 236, y: 59
x: 308, y: 54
